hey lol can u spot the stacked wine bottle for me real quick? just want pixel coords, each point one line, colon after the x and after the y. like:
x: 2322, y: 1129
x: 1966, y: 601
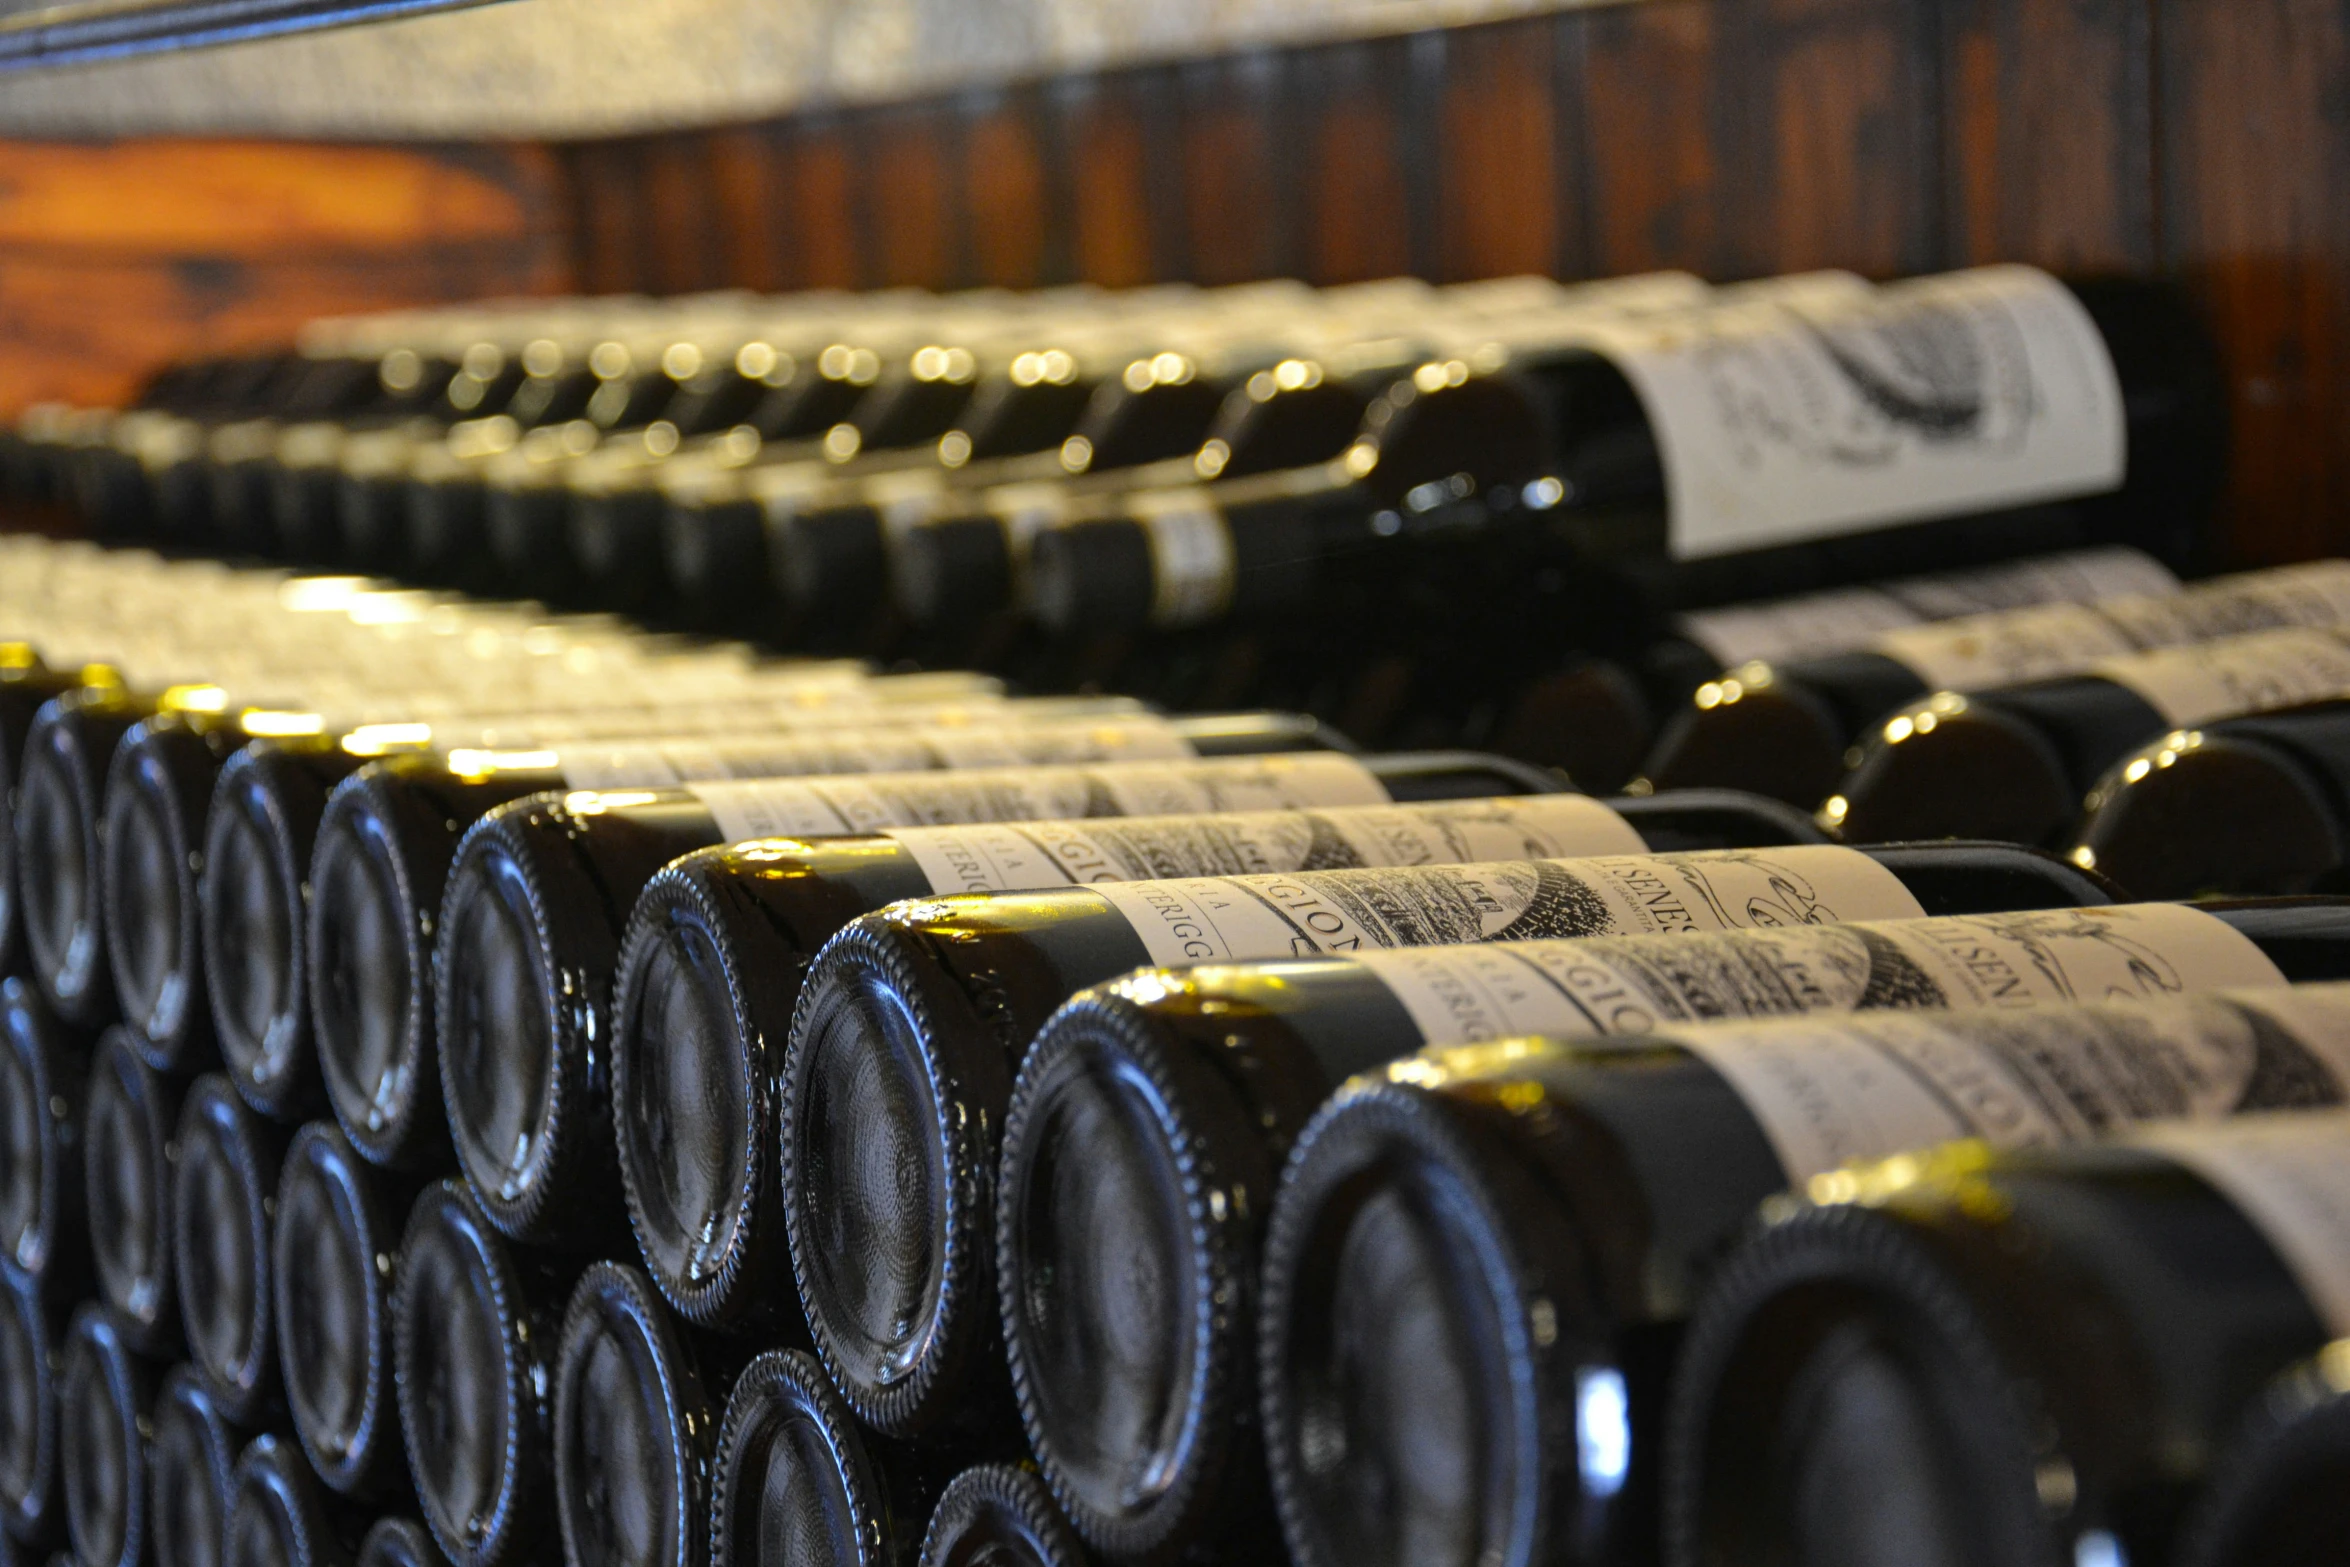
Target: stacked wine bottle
x: 1508, y: 923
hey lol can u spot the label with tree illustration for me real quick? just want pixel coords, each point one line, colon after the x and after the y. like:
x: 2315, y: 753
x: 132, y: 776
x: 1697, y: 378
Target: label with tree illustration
x: 2129, y: 952
x: 1301, y: 914
x: 2048, y: 641
x: 1029, y: 855
x: 1787, y: 418
x: 653, y: 764
x: 810, y: 807
x: 1831, y: 1090
x: 1835, y: 619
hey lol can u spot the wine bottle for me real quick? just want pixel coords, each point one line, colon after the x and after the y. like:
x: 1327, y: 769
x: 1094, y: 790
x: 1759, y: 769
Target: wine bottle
x: 1077, y: 1103
x: 152, y: 835
x: 2017, y: 763
x: 795, y: 1473
x: 1249, y: 531
x: 44, y: 1078
x: 309, y: 482
x: 2243, y: 807
x: 59, y: 871
x: 948, y: 551
x: 330, y: 1268
x: 475, y: 1323
x: 999, y: 1514
x: 1785, y: 728
x: 2278, y: 1493
x: 536, y: 904
x: 222, y: 1210
x: 26, y: 685
x: 279, y: 1517
x: 1648, y: 1158
x: 1596, y: 719
x: 936, y: 1000
x: 2091, y: 413
x: 637, y: 1402
x: 2142, y: 1291
x: 709, y: 971
x: 258, y: 835
x: 386, y: 842
x: 104, y: 1394
x: 31, y: 1509
x: 963, y: 559
x: 1273, y: 542
x: 191, y: 1459
x: 132, y: 1116
x: 395, y: 1541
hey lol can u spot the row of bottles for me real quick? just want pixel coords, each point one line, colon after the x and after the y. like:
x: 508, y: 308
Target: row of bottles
x: 1412, y: 511
x: 546, y: 1084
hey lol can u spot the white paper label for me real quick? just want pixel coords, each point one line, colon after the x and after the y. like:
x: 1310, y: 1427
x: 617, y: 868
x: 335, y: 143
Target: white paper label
x: 1817, y: 623
x: 1980, y: 652
x: 660, y: 763
x: 2316, y: 594
x: 905, y: 501
x: 1829, y: 1091
x: 797, y: 808
x: 1191, y: 555
x: 2255, y: 674
x: 1039, y: 854
x: 1791, y: 418
x: 1983, y: 652
x: 1245, y: 918
x: 1573, y: 988
x: 1023, y: 511
x: 2289, y: 1174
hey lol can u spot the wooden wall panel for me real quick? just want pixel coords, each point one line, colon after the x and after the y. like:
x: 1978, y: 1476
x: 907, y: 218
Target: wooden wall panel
x: 2254, y: 161
x: 914, y: 200
x: 1358, y: 173
x: 118, y: 257
x: 1498, y: 151
x: 1011, y: 218
x: 1240, y: 188
x: 2049, y: 109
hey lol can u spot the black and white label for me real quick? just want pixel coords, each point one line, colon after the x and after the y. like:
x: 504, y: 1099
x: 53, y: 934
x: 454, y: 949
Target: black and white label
x: 1030, y: 855
x: 2126, y: 952
x: 2254, y: 674
x: 1828, y: 1091
x: 1191, y: 555
x: 1817, y: 623
x: 668, y: 761
x: 2289, y: 1174
x: 813, y: 807
x: 1243, y: 918
x: 2051, y: 641
x: 1783, y: 419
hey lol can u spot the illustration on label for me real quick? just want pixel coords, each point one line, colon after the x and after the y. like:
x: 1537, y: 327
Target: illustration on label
x: 1222, y: 919
x: 2129, y: 952
x: 807, y: 807
x: 1787, y: 418
x: 2254, y: 674
x: 1032, y: 855
x: 1830, y: 1091
x: 667, y: 762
